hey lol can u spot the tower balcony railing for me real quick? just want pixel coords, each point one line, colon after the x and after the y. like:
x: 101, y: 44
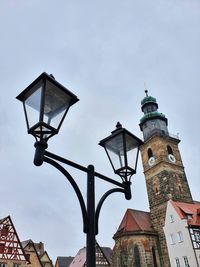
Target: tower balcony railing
x: 162, y: 133
x: 176, y: 136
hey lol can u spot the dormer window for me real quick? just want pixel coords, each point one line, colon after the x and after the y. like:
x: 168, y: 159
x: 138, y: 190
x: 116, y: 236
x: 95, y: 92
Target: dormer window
x: 189, y: 216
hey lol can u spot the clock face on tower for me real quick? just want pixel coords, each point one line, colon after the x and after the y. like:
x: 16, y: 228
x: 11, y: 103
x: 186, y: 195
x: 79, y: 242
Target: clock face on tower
x: 151, y: 161
x: 171, y: 158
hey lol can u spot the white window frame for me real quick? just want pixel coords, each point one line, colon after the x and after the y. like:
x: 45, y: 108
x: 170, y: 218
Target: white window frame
x: 171, y: 218
x: 186, y: 261
x: 172, y: 239
x: 197, y: 235
x: 189, y: 216
x: 177, y: 262
x: 180, y: 236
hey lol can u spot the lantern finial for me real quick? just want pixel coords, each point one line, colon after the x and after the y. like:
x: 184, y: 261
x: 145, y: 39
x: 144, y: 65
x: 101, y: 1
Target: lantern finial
x: 118, y: 125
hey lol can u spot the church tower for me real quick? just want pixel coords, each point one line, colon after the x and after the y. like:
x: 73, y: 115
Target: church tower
x: 163, y: 168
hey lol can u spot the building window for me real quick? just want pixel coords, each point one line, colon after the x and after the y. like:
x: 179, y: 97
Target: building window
x: 100, y: 258
x: 2, y: 247
x: 177, y: 262
x: 137, y: 256
x: 195, y: 236
x: 150, y: 153
x: 186, y: 262
x: 16, y: 265
x: 10, y: 249
x: 171, y: 218
x: 172, y: 239
x: 154, y: 257
x: 180, y: 236
x: 169, y: 150
x: 3, y: 264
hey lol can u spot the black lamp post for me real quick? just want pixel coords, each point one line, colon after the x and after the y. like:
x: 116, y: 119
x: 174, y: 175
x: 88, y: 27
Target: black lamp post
x: 46, y: 103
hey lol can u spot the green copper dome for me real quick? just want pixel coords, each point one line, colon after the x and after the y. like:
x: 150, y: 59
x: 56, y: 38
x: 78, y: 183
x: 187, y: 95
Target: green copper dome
x: 148, y: 99
x: 152, y: 115
x: 153, y: 121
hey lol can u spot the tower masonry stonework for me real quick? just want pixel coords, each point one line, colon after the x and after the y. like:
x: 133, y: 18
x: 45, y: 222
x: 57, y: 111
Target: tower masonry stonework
x: 163, y: 168
x: 140, y: 240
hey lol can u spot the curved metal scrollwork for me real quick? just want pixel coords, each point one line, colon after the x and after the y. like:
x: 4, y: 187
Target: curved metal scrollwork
x: 101, y: 201
x: 76, y: 189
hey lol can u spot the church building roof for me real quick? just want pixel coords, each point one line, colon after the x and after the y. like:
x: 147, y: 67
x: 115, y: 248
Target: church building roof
x: 135, y: 221
x: 189, y: 211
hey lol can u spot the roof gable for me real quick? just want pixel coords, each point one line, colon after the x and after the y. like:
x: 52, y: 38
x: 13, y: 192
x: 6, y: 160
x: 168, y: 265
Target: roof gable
x: 30, y: 249
x: 135, y: 221
x: 186, y: 209
x: 10, y: 245
x: 45, y: 257
x: 102, y: 257
x: 63, y: 261
x: 80, y: 258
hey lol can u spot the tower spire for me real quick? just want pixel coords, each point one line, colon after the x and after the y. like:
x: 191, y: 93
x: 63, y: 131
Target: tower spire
x: 152, y: 121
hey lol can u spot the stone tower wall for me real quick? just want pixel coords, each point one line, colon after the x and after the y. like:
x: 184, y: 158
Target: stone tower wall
x: 164, y: 180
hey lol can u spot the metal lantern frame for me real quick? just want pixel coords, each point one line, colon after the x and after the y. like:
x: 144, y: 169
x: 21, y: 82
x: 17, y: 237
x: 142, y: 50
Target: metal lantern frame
x: 41, y: 129
x: 125, y: 171
x: 90, y: 210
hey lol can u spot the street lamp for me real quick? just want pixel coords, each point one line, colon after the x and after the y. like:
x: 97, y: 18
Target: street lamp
x: 46, y: 103
x: 122, y: 150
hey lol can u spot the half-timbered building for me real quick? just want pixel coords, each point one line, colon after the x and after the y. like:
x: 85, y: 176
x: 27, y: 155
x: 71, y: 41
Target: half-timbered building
x: 12, y: 253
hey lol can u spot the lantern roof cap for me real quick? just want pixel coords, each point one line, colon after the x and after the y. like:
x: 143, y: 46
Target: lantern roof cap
x: 44, y: 76
x: 120, y: 130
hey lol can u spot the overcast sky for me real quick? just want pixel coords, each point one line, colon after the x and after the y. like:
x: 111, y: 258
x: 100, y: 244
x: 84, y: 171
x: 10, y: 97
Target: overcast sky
x: 103, y: 51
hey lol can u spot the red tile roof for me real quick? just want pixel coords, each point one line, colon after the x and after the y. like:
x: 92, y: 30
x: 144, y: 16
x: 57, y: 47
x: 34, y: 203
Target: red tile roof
x: 135, y: 221
x: 185, y: 209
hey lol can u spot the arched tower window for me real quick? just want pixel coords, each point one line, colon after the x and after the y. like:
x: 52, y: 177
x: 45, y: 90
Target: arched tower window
x: 137, y: 256
x: 150, y: 153
x: 169, y: 150
x: 154, y: 257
